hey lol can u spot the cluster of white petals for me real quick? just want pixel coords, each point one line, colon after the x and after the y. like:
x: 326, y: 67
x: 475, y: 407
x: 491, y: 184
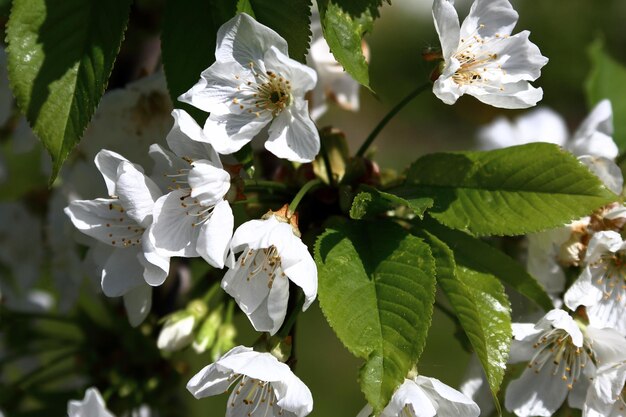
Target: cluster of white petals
x: 260, y: 385
x: 91, y: 406
x: 254, y: 84
x: 483, y: 59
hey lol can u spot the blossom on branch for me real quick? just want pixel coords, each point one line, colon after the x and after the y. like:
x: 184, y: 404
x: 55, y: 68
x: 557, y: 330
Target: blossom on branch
x: 483, y: 59
x: 254, y: 84
x: 260, y: 385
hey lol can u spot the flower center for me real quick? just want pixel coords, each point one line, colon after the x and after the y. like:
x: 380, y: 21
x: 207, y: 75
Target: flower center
x: 262, y: 263
x: 555, y: 348
x: 269, y: 92
x: 478, y: 64
x: 122, y: 230
x: 256, y: 396
x: 612, y: 281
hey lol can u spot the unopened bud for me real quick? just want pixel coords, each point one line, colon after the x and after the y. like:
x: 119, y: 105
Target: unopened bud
x: 177, y: 332
x: 207, y: 334
x: 225, y: 340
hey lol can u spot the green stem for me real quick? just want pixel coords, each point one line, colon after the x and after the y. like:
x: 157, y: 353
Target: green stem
x: 265, y: 185
x: 230, y: 309
x: 293, y: 315
x: 329, y: 170
x: 211, y: 293
x: 303, y: 191
x: 390, y: 116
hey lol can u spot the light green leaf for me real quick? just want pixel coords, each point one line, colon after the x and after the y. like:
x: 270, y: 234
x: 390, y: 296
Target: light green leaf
x: 607, y: 79
x: 244, y: 6
x: 484, y: 258
x: 508, y: 191
x: 376, y: 289
x: 60, y: 56
x: 188, y: 43
x: 344, y: 23
x: 371, y: 202
x: 482, y: 307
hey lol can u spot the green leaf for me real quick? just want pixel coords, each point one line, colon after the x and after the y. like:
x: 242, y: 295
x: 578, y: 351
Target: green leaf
x: 344, y: 23
x: 484, y: 258
x: 482, y: 307
x: 60, y: 56
x: 607, y: 80
x: 376, y: 289
x: 507, y: 191
x: 188, y: 43
x: 244, y: 6
x: 371, y: 202
x: 291, y: 19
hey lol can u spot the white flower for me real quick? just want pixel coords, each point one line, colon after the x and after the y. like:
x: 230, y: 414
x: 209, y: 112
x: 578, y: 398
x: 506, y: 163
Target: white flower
x: 261, y: 385
x: 334, y: 83
x: 91, y: 406
x: 482, y: 59
x: 476, y: 387
x: 271, y: 255
x: 253, y: 84
x: 176, y: 333
x: 605, y: 397
x: 426, y: 397
x: 561, y: 359
x: 593, y: 136
x: 129, y: 262
x: 601, y: 286
x: 194, y: 219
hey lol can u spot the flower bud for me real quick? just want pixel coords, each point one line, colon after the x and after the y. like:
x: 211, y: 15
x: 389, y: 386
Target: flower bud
x: 207, y: 334
x: 225, y: 340
x: 178, y: 331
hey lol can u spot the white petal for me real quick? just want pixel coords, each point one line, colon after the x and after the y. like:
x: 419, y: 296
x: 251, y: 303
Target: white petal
x: 582, y: 292
x: 411, y: 395
x: 245, y: 40
x: 215, y: 234
x: 91, y: 406
x: 137, y: 193
x: 518, y: 57
x: 293, y: 135
x: 172, y: 232
x: 165, y: 163
x: 594, y: 136
x: 608, y: 345
x: 602, y: 243
x: 103, y: 219
x: 450, y: 402
x: 535, y: 394
x: 208, y: 183
x: 576, y: 396
x: 303, y: 272
x: 495, y: 16
x: 254, y: 234
x: 447, y: 26
x: 175, y: 336
x: 476, y: 387
x: 211, y: 380
x: 122, y: 272
x: 609, y: 312
x: 250, y: 295
x: 187, y: 139
x: 519, y: 95
x: 230, y: 132
x: 156, y: 267
x: 107, y: 162
x: 445, y: 88
x: 301, y: 77
x: 277, y: 301
x: 138, y: 303
x: 257, y: 365
x: 293, y: 395
x: 606, y: 170
x: 524, y: 337
x: 559, y: 319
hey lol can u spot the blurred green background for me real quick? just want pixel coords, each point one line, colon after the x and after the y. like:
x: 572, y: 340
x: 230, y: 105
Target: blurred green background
x: 563, y: 30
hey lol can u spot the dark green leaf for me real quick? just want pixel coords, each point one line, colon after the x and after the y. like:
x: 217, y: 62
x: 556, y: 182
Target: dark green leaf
x: 481, y: 306
x: 607, y: 79
x: 60, y: 56
x: 508, y: 191
x: 344, y: 23
x: 371, y: 202
x: 188, y: 43
x: 484, y: 258
x: 376, y: 289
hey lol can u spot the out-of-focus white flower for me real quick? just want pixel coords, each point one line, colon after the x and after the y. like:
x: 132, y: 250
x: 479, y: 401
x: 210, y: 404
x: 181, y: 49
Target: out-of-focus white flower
x: 476, y: 387
x: 483, y: 59
x: 91, y: 406
x: 605, y: 397
x: 254, y: 84
x: 178, y: 330
x: 601, y: 287
x: 561, y: 360
x: 130, y: 264
x: 423, y: 396
x: 261, y: 385
x: 271, y: 255
x: 334, y: 83
x: 593, y: 137
x: 194, y: 218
